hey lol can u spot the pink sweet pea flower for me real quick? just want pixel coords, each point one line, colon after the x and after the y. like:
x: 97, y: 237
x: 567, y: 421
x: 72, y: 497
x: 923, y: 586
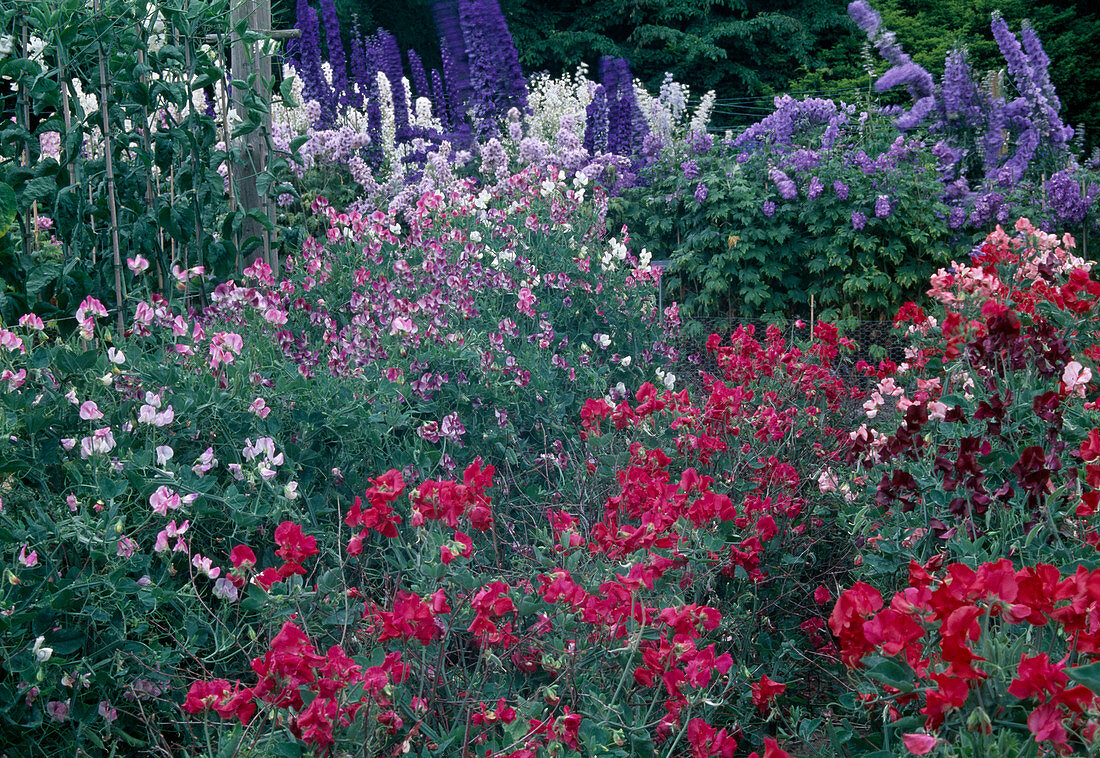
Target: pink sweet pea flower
x: 89, y: 411
x: 919, y: 744
x: 29, y: 560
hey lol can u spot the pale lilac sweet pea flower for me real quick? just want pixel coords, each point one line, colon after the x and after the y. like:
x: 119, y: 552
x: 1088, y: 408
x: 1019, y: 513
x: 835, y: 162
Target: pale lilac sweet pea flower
x: 89, y: 411
x: 58, y: 710
x: 163, y: 500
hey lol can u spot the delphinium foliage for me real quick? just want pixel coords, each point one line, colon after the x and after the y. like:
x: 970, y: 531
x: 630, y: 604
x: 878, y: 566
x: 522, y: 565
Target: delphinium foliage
x: 855, y: 205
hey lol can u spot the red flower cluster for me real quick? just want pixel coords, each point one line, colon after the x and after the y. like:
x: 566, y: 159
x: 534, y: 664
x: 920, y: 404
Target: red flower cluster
x: 292, y: 666
x: 936, y: 623
x: 448, y: 501
x: 380, y: 515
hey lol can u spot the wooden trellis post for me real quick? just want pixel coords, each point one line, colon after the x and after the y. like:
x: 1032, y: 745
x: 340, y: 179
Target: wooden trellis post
x: 248, y: 58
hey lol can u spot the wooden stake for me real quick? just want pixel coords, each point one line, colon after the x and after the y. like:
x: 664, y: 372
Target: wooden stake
x: 112, y: 203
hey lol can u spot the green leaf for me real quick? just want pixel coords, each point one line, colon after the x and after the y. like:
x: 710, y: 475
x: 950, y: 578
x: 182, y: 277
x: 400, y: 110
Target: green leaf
x: 1088, y: 675
x: 891, y: 672
x: 38, y: 190
x: 39, y: 277
x: 8, y: 208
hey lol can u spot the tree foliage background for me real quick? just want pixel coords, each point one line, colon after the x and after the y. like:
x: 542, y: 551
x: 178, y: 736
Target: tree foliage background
x: 747, y: 49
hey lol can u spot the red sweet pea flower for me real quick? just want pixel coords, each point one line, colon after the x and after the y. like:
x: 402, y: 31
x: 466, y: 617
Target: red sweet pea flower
x: 314, y: 724
x: 1045, y: 722
x: 203, y: 695
x: 1036, y: 677
x: 706, y: 741
x: 771, y: 750
x: 764, y: 691
x: 242, y: 557
x: 294, y: 546
x: 1090, y: 446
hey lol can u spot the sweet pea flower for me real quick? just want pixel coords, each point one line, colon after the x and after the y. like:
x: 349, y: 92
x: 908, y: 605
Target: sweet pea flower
x: 205, y: 462
x: 29, y: 560
x: 1076, y: 377
x: 164, y: 454
x: 101, y: 442
x: 205, y: 566
x: 126, y: 546
x: 115, y: 356
x: 58, y: 710
x: 226, y: 590
x: 137, y: 264
x: 259, y: 407
x: 31, y: 321
x: 108, y: 713
x: 89, y: 411
x: 14, y: 379
x: 163, y: 500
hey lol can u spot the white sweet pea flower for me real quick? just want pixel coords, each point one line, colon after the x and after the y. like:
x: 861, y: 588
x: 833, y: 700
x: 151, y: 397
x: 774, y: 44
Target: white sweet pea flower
x: 41, y: 654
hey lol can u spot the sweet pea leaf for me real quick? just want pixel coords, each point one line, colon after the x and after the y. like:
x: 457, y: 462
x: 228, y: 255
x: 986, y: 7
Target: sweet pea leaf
x: 1088, y: 675
x: 891, y: 672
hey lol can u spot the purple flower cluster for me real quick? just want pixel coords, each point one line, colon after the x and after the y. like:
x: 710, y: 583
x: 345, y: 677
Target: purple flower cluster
x: 701, y: 142
x: 690, y: 169
x: 625, y: 126
x: 789, y: 119
x: 961, y: 106
x: 903, y: 70
x: 1067, y: 198
x: 335, y: 47
x: 882, y: 206
x: 497, y: 83
x: 701, y: 192
x: 305, y: 56
x: 595, y: 125
x: 787, y: 188
x: 859, y: 220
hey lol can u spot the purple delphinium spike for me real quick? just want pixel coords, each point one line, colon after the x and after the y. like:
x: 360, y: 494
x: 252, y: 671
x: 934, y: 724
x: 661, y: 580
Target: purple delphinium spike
x: 903, y: 70
x: 419, y: 77
x: 359, y: 85
x: 439, y: 100
x: 1050, y: 104
x: 308, y: 64
x: 865, y: 16
x: 618, y: 109
x: 479, y: 54
x: 335, y: 44
x: 513, y: 82
x: 626, y: 124
x: 960, y: 104
x: 1017, y: 114
x: 496, y: 80
x: 787, y: 188
x: 1068, y: 199
x: 791, y: 117
x: 456, y: 70
x: 387, y: 59
x: 595, y: 128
